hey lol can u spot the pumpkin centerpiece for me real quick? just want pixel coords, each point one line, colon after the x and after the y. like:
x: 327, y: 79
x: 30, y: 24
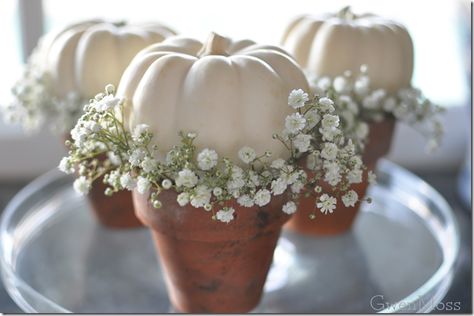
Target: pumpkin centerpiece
x: 63, y: 72
x: 365, y: 63
x: 230, y: 94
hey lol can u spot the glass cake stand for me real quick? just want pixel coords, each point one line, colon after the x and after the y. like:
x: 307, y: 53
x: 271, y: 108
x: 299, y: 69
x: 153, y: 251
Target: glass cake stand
x: 398, y: 257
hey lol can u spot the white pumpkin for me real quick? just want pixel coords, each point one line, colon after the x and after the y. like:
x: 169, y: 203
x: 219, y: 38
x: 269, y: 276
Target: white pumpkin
x: 232, y: 94
x: 86, y: 56
x: 331, y: 44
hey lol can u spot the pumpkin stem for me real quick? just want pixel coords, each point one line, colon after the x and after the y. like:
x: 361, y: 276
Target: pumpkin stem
x: 346, y: 13
x: 215, y: 45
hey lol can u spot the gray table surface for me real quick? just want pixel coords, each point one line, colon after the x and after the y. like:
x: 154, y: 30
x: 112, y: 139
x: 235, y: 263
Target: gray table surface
x: 445, y: 183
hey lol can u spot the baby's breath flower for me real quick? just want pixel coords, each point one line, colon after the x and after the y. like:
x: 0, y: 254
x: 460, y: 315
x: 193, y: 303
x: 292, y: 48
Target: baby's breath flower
x: 312, y: 118
x: 289, y: 208
x: 247, y: 154
x: 143, y: 185
x: 350, y: 198
x: 354, y: 176
x: 66, y: 165
x: 329, y: 151
x: 137, y: 156
x: 82, y: 185
x: 186, y: 178
x: 279, y: 186
x: 262, y: 197
x: 148, y: 164
x: 297, y: 98
x: 245, y: 201
x: 139, y: 131
x: 201, y: 196
x: 127, y: 181
x: 302, y: 142
x: 207, y: 159
x: 327, y: 204
x: 326, y: 105
x: 217, y: 191
x: 278, y: 163
x: 183, y: 199
x: 225, y: 215
x: 166, y: 184
x: 330, y: 121
x: 294, y: 123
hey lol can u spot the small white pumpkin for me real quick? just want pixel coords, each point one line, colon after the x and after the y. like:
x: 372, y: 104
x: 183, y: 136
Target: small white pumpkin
x: 331, y: 44
x: 232, y: 94
x: 85, y: 56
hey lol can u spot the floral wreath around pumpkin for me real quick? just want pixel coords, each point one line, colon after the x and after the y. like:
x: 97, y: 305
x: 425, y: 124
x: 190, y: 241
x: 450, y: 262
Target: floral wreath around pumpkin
x: 34, y: 104
x: 317, y: 148
x: 358, y: 104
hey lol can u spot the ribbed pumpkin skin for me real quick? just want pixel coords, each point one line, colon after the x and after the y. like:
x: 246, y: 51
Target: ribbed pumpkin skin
x: 85, y: 56
x: 233, y: 97
x: 331, y: 44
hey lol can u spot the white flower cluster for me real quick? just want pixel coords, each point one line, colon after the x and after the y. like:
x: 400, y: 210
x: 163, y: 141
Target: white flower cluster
x: 101, y: 146
x: 34, y: 104
x: 357, y: 104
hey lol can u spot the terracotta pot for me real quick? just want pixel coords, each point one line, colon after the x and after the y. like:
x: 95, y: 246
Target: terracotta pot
x: 210, y: 266
x: 380, y: 139
x: 114, y: 211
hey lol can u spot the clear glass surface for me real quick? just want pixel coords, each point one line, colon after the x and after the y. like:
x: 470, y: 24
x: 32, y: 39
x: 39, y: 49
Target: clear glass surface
x: 398, y: 257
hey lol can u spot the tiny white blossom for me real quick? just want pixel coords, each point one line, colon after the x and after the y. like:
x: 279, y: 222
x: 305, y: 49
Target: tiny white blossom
x: 107, y: 103
x: 278, y: 163
x: 247, y: 154
x: 245, y: 201
x: 294, y: 123
x: 362, y: 130
x: 225, y: 215
x: 183, y: 199
x: 166, y: 184
x: 312, y: 118
x: 329, y: 151
x: 186, y: 178
x: 297, y: 98
x: 148, y: 164
x: 143, y: 184
x: 217, y: 191
x: 330, y: 121
x: 350, y: 198
x: 66, y: 166
x: 313, y: 160
x: 278, y: 186
x: 139, y: 131
x: 297, y: 187
x: 262, y: 197
x: 354, y: 176
x: 289, y: 208
x: 201, y: 196
x: 326, y: 104
x: 361, y: 86
x: 207, y: 159
x: 81, y: 185
x: 302, y: 142
x: 137, y: 156
x: 332, y: 174
x: 127, y: 181
x: 327, y: 204
x: 114, y: 158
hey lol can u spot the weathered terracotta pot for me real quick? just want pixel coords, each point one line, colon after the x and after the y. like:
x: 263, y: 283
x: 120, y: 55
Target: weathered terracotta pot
x: 380, y: 140
x: 210, y: 266
x: 114, y: 211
